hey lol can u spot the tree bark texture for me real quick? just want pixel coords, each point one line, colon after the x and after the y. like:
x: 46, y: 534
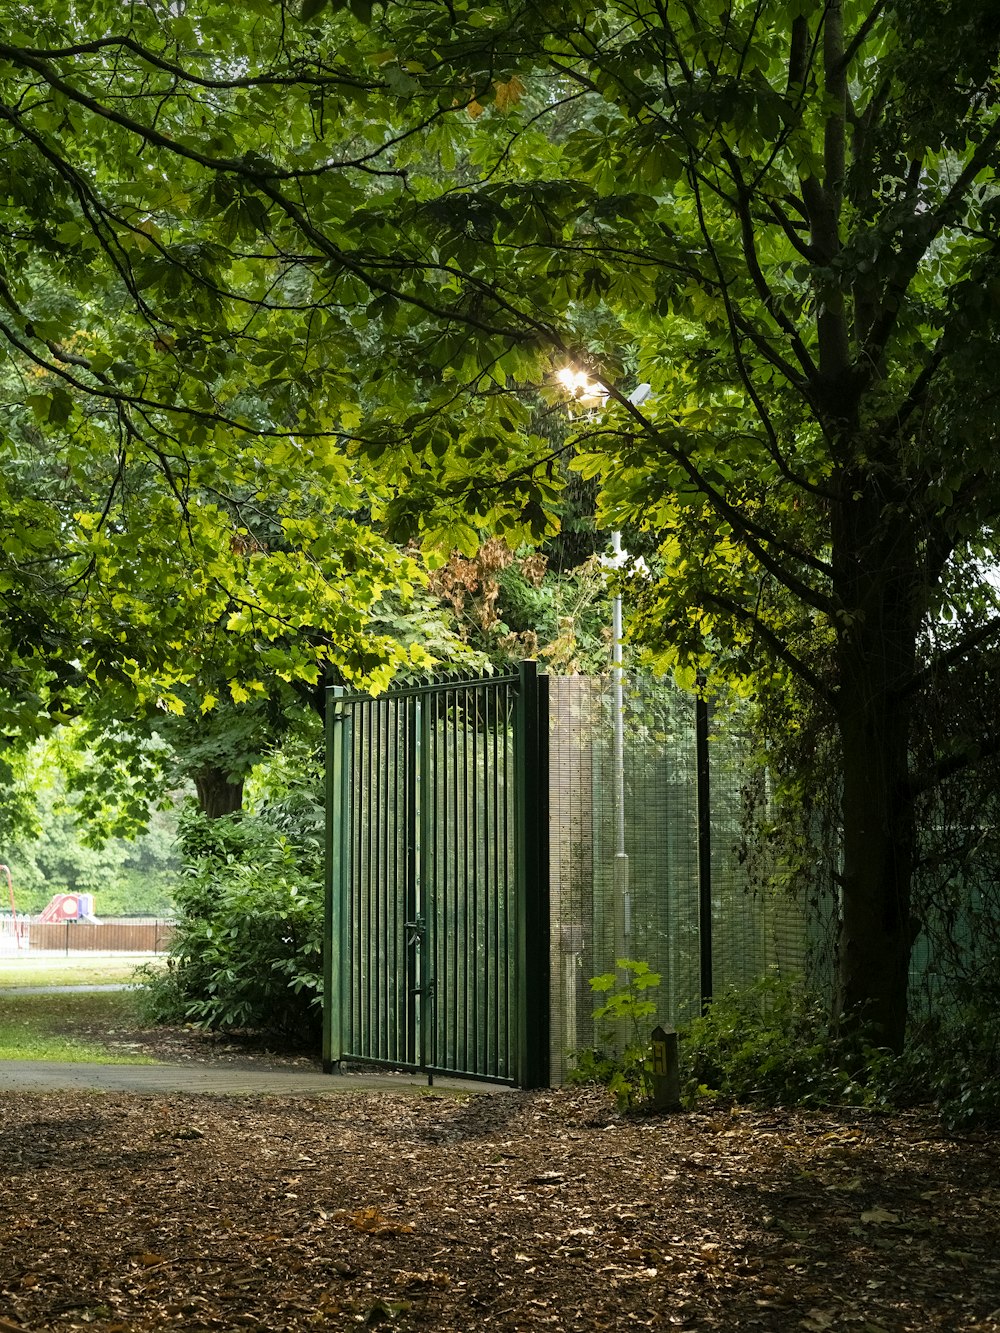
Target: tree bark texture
x: 217, y: 795
x: 876, y: 650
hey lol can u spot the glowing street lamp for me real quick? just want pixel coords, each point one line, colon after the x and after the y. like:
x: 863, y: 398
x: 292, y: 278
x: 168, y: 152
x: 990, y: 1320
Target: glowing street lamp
x: 580, y: 386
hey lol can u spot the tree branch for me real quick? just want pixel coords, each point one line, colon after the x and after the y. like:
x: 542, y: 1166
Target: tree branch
x: 775, y: 644
x: 861, y: 36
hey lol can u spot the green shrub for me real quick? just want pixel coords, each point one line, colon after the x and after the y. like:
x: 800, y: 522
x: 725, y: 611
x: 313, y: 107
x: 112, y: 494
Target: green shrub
x: 247, y: 950
x: 623, y: 1061
x: 773, y: 1043
x: 953, y: 1061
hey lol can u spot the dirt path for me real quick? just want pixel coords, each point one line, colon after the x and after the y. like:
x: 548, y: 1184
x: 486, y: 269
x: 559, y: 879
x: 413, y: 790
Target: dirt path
x: 514, y: 1211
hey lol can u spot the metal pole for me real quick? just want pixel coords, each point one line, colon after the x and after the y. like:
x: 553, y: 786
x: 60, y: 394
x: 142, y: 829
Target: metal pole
x: 531, y: 750
x: 337, y: 737
x: 621, y: 874
x: 704, y: 846
x: 424, y: 888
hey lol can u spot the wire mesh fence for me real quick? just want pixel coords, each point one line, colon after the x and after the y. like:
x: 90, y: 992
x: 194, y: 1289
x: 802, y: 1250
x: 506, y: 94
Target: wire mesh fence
x: 633, y: 888
x: 643, y: 861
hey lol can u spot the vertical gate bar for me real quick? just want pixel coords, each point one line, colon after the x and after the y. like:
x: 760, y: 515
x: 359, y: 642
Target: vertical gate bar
x: 452, y: 861
x: 381, y: 819
x: 336, y: 791
x: 375, y: 820
x: 374, y: 881
x: 499, y: 877
x: 357, y: 871
x: 357, y: 772
x: 462, y: 952
x: 455, y: 907
x: 488, y: 844
x: 364, y: 832
x: 511, y: 903
x: 363, y: 811
x: 471, y: 948
x: 382, y: 815
x: 391, y: 780
x: 503, y: 877
x: 434, y: 906
x: 480, y: 971
x: 371, y: 930
x: 456, y: 899
x: 426, y: 906
x: 532, y: 932
x: 364, y: 905
x: 371, y: 978
x: 412, y: 1048
x: 398, y: 980
x: 446, y: 895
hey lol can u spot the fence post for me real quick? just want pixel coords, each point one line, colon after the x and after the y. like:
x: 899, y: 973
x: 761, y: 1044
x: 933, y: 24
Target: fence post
x: 666, y: 1076
x: 704, y: 845
x: 531, y: 770
x: 337, y: 739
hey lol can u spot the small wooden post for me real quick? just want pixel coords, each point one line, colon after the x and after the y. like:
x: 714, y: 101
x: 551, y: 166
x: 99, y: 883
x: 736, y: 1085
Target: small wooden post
x: 666, y: 1071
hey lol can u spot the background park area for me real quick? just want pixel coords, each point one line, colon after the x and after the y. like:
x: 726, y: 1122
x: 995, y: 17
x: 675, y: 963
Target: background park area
x: 499, y: 530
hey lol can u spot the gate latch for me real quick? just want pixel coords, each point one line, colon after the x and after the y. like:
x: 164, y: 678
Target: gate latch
x: 417, y: 931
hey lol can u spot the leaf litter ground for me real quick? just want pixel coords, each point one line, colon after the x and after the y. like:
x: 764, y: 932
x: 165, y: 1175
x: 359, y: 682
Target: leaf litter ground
x: 508, y: 1211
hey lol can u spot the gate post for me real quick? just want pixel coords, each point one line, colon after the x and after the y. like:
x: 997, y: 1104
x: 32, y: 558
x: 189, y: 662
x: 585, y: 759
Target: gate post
x: 531, y: 740
x: 338, y: 735
x: 704, y: 790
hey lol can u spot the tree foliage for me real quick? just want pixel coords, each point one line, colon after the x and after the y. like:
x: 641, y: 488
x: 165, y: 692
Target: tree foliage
x: 56, y: 839
x: 339, y: 251
x: 179, y: 515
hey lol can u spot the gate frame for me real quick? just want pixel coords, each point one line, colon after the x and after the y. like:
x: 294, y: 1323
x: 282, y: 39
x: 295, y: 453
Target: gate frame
x: 531, y: 891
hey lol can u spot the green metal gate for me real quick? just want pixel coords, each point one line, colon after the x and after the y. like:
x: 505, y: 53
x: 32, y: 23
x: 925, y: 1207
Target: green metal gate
x: 437, y: 881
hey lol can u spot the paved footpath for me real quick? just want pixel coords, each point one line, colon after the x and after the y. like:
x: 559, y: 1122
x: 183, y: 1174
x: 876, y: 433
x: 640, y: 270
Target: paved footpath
x: 228, y: 1080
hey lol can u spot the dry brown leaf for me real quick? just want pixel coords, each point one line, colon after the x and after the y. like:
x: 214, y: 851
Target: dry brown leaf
x: 374, y: 1222
x: 508, y: 94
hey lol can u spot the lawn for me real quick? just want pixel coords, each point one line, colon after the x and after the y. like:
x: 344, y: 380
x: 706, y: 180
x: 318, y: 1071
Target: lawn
x: 67, y: 1027
x: 89, y: 969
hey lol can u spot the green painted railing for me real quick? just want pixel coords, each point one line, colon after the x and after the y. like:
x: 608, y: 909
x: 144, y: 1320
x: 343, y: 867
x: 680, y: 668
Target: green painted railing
x: 437, y: 908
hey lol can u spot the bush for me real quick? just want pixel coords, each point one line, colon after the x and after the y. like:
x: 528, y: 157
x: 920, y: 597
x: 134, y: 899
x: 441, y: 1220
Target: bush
x: 953, y: 1060
x: 623, y: 1061
x: 773, y: 1043
x: 247, y: 951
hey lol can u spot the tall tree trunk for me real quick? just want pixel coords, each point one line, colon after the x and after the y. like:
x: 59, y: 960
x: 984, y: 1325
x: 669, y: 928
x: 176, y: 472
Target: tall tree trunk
x: 216, y: 794
x: 876, y: 654
x: 876, y: 931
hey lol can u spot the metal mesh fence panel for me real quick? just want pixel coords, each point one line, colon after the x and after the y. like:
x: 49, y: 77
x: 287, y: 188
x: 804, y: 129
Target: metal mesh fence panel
x: 644, y: 905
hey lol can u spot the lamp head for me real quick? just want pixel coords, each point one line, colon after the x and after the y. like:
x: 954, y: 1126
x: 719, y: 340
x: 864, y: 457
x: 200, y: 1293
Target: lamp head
x: 579, y: 384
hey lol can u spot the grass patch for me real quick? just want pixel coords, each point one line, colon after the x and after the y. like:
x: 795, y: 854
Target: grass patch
x: 67, y: 1027
x: 99, y: 971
